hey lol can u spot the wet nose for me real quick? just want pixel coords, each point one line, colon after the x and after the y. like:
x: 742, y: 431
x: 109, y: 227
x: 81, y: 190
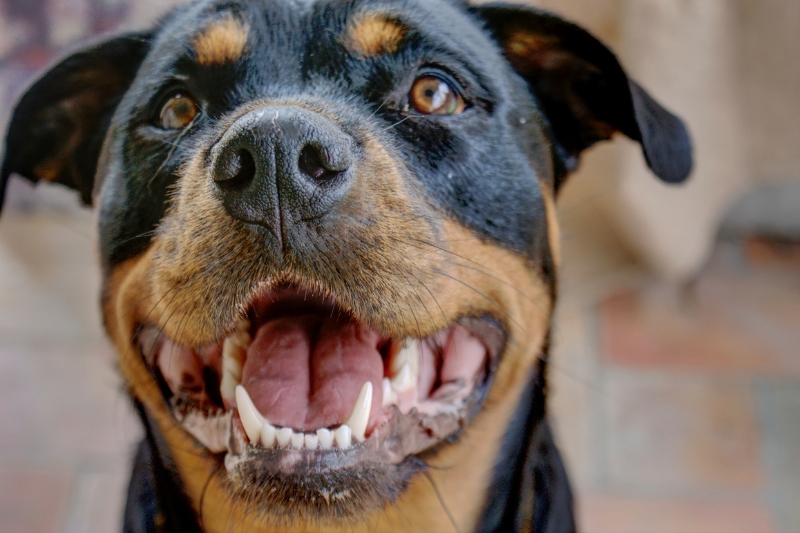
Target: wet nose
x: 278, y: 166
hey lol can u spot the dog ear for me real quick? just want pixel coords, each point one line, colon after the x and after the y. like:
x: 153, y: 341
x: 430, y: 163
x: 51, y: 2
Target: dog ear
x: 58, y: 126
x: 584, y: 92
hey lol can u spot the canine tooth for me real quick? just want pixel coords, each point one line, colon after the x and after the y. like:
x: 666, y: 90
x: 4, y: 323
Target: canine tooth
x: 344, y: 436
x: 389, y: 396
x: 251, y: 418
x: 311, y: 441
x: 358, y: 419
x: 284, y: 436
x: 325, y: 438
x: 405, y: 380
x: 298, y: 440
x: 268, y: 432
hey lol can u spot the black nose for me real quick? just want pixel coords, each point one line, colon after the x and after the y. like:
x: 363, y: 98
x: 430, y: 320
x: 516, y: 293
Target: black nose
x: 278, y: 166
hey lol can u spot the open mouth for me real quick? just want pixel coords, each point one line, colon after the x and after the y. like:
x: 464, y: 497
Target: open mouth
x: 300, y: 377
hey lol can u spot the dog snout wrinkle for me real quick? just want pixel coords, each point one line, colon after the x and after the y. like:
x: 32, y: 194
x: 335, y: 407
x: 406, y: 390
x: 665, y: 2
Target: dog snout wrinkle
x: 279, y: 166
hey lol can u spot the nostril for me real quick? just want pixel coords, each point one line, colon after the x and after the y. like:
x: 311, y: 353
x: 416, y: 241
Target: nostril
x: 312, y: 163
x: 237, y: 169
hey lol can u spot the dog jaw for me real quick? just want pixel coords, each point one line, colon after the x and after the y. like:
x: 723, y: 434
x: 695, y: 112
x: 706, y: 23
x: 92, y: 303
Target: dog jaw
x: 129, y: 296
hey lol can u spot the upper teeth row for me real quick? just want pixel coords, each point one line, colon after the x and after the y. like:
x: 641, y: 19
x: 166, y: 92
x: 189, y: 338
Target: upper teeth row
x: 404, y: 370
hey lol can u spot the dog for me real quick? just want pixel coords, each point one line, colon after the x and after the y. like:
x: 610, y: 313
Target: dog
x: 330, y: 251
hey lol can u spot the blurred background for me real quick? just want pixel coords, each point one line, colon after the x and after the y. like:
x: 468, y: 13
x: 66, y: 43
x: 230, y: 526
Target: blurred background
x: 675, y: 377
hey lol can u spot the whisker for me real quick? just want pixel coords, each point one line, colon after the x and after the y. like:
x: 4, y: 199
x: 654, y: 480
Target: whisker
x: 467, y: 285
x: 441, y: 502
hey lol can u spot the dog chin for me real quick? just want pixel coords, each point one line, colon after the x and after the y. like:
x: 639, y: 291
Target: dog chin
x: 313, y: 413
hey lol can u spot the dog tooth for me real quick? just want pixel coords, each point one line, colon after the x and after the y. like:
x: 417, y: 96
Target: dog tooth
x: 344, y: 436
x: 268, y: 432
x: 359, y: 417
x: 389, y: 395
x: 311, y: 441
x: 227, y: 387
x: 234, y: 347
x: 284, y: 437
x: 251, y: 418
x: 232, y: 366
x: 405, y: 380
x: 409, y: 354
x: 325, y: 438
x: 298, y: 440
x: 232, y: 358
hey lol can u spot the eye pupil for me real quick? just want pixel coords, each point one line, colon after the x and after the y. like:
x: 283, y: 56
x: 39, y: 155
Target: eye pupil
x: 178, y: 112
x: 431, y: 95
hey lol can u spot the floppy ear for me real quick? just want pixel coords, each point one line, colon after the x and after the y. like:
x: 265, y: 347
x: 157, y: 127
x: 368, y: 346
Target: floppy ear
x: 57, y: 129
x: 584, y: 92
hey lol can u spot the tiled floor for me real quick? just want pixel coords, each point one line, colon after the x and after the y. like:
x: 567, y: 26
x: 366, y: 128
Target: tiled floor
x: 66, y: 429
x: 677, y: 409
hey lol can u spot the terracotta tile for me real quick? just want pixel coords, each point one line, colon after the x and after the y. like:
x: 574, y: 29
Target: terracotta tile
x: 609, y: 514
x: 68, y: 406
x: 573, y: 395
x: 49, y: 279
x: 680, y: 434
x: 761, y: 251
x: 97, y: 502
x: 733, y: 326
x: 33, y: 500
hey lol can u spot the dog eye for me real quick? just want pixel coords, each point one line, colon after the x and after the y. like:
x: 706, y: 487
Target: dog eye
x: 431, y: 95
x: 178, y: 112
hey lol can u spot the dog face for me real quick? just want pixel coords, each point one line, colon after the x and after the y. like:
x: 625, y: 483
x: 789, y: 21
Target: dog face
x: 329, y: 239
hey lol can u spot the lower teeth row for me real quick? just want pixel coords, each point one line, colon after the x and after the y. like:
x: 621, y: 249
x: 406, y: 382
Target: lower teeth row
x: 260, y: 432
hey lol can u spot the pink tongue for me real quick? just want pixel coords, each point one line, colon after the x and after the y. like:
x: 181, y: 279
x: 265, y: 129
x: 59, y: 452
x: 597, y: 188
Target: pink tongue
x: 305, y: 372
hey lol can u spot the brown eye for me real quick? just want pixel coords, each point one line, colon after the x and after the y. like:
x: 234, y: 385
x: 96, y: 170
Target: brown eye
x: 178, y: 112
x: 432, y: 95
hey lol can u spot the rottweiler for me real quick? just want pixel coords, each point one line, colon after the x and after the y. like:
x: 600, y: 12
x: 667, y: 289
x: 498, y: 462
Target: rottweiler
x: 330, y: 252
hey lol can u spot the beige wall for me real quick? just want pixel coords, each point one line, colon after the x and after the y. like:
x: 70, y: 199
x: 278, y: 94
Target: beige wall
x: 730, y: 69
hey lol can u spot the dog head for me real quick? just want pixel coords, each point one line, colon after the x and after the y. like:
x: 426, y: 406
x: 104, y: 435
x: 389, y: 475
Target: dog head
x: 328, y: 236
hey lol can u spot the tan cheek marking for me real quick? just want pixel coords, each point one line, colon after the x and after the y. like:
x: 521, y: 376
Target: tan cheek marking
x: 553, y: 228
x: 482, y: 276
x: 223, y: 41
x: 374, y: 34
x: 49, y: 169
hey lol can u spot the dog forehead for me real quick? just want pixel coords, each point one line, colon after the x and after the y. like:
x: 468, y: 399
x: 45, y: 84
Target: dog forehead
x: 292, y: 20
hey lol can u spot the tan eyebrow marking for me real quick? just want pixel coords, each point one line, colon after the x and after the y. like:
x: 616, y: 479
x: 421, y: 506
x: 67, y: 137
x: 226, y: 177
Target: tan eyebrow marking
x: 374, y: 34
x: 222, y: 41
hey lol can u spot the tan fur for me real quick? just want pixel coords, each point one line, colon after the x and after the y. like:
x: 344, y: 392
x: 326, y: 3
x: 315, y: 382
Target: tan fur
x: 522, y: 43
x: 416, y: 274
x: 49, y: 169
x: 553, y: 227
x: 222, y: 41
x: 374, y: 34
